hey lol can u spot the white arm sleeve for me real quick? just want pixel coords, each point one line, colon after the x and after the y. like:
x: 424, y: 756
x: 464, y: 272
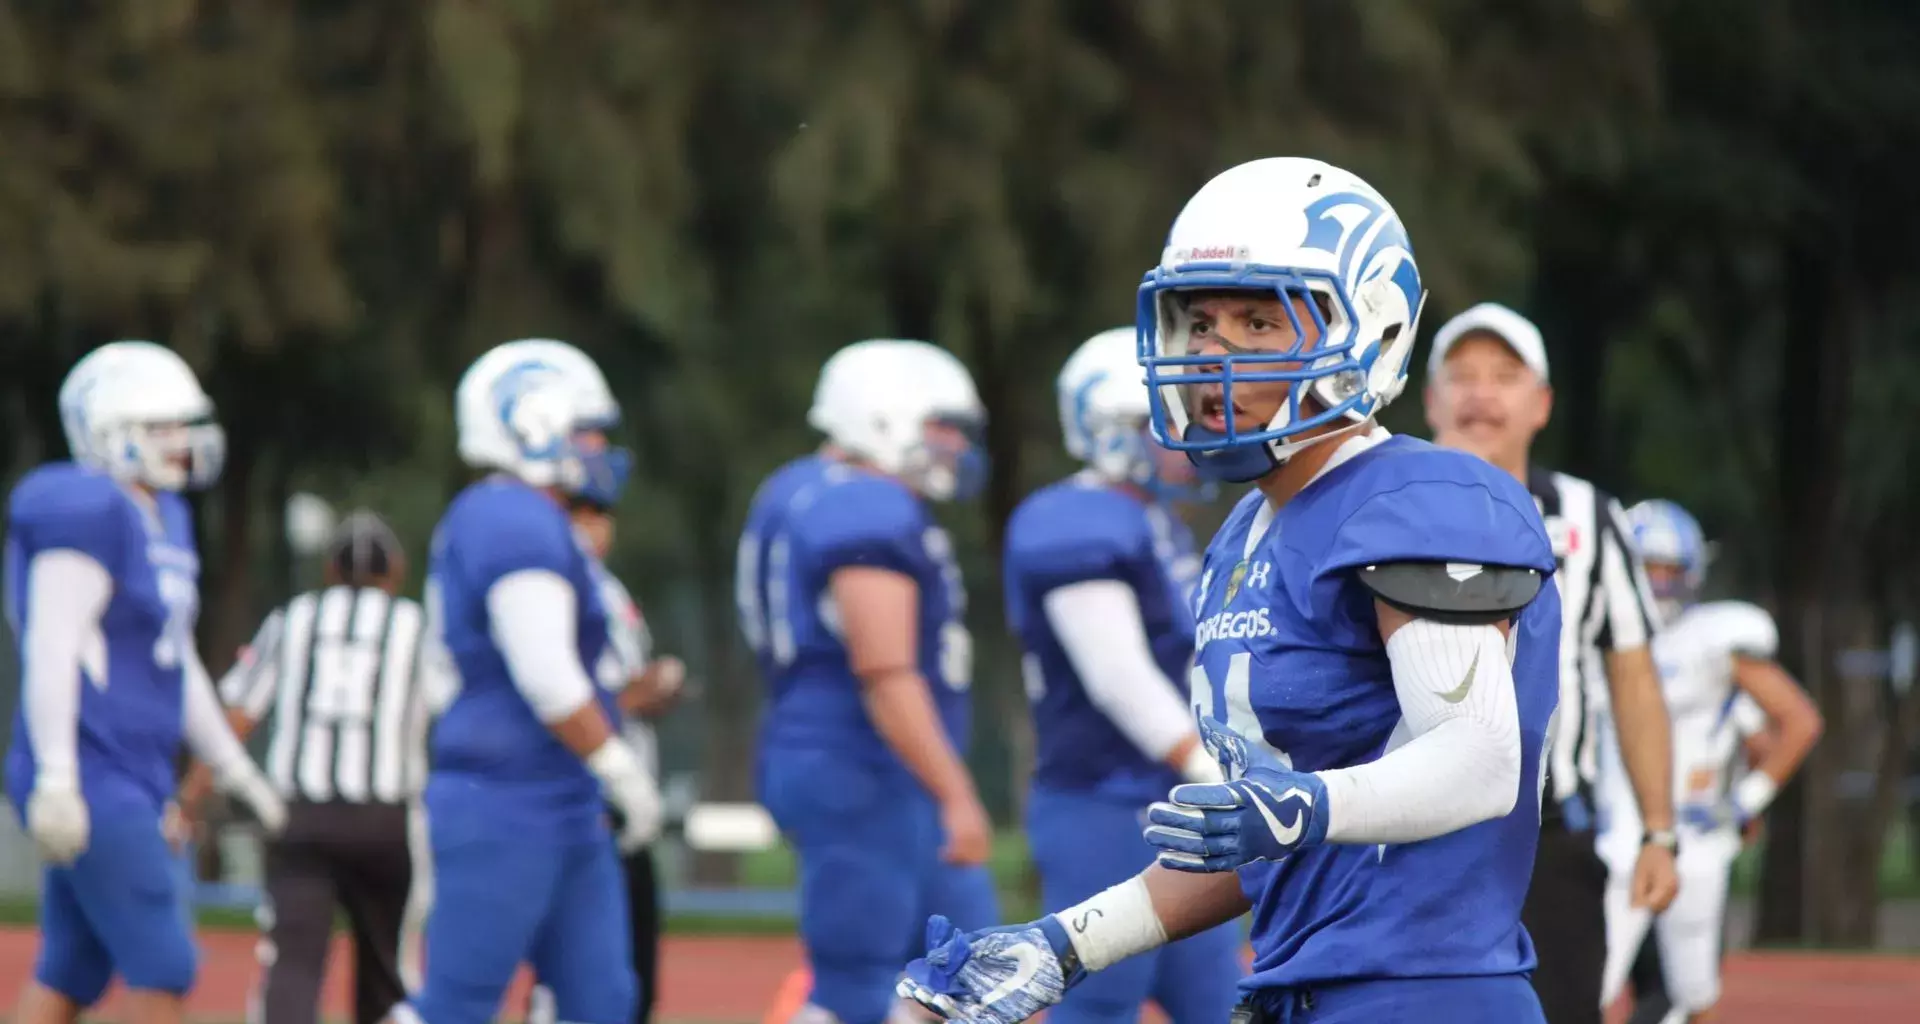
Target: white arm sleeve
x: 67, y: 592
x: 534, y: 617
x: 204, y: 722
x: 1099, y: 626
x: 1454, y: 760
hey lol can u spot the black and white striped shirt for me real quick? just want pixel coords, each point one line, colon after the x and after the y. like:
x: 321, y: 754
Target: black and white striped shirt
x: 1606, y: 606
x: 343, y: 674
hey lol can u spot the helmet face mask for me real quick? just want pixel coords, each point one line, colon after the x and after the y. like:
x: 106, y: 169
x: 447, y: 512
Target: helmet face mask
x: 1325, y: 250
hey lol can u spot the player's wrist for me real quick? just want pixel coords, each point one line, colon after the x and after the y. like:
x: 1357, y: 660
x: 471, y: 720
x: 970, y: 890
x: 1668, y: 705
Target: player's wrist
x: 616, y: 765
x: 1199, y: 766
x: 1752, y: 795
x: 1112, y: 925
x: 56, y: 780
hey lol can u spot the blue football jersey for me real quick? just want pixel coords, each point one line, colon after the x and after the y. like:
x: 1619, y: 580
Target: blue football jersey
x: 1084, y: 529
x: 489, y: 749
x: 130, y: 687
x: 814, y: 516
x: 1289, y: 654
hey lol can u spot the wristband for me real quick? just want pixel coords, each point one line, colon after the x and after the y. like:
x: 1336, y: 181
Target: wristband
x: 1200, y: 767
x: 614, y: 763
x: 1114, y: 925
x: 1754, y: 792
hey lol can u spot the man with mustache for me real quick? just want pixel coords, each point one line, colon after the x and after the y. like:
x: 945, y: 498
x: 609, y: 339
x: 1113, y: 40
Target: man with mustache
x: 1487, y: 393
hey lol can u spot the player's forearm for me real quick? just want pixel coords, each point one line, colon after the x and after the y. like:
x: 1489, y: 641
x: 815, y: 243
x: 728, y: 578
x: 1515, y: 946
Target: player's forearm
x: 1462, y: 764
x: 1099, y: 627
x: 67, y: 592
x: 206, y: 728
x: 583, y: 731
x: 902, y: 711
x: 1147, y: 911
x: 1646, y: 739
x: 534, y: 623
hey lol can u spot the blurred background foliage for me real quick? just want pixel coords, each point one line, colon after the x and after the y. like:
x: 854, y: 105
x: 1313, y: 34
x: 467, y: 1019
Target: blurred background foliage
x: 331, y: 208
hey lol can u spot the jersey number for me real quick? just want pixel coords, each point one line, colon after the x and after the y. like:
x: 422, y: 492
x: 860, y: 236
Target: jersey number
x: 956, y: 656
x: 177, y: 592
x: 344, y: 674
x: 1238, y: 697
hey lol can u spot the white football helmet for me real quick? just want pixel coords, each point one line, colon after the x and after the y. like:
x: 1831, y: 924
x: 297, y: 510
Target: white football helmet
x: 135, y: 410
x: 1104, y: 407
x: 876, y: 399
x: 1295, y: 228
x: 1667, y: 534
x: 520, y: 409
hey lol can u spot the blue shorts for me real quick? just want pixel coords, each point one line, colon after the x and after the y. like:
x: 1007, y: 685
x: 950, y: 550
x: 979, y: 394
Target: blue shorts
x: 1507, y: 999
x: 118, y: 908
x: 1084, y: 843
x: 868, y: 840
x: 507, y: 892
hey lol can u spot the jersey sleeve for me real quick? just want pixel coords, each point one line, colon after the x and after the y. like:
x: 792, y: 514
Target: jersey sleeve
x: 1747, y: 630
x: 516, y: 531
x: 1057, y: 541
x: 250, y: 684
x: 1472, y: 519
x: 86, y: 514
x: 868, y: 522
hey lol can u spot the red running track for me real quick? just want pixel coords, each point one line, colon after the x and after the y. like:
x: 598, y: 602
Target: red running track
x: 734, y: 980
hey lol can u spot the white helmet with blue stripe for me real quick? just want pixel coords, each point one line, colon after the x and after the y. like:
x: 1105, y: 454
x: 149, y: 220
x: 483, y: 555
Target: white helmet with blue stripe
x: 523, y: 407
x: 1666, y: 535
x: 135, y: 411
x: 1298, y: 229
x: 1103, y: 407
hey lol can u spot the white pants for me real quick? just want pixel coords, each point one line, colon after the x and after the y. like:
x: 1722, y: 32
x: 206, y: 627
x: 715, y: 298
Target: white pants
x: 1688, y: 933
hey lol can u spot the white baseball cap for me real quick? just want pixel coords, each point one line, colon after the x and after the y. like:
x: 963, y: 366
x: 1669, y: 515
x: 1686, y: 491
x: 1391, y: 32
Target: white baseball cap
x: 1492, y: 318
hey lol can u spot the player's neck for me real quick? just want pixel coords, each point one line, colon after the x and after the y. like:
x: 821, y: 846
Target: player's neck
x: 1292, y: 476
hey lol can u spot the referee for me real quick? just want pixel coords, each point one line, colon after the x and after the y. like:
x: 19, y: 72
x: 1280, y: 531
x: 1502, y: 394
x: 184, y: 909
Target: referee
x: 1487, y: 393
x: 338, y: 670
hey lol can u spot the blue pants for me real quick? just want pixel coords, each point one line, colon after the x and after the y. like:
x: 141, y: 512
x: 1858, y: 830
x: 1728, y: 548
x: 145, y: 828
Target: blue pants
x: 119, y: 907
x: 504, y: 895
x: 1507, y: 999
x: 868, y: 841
x: 1083, y: 843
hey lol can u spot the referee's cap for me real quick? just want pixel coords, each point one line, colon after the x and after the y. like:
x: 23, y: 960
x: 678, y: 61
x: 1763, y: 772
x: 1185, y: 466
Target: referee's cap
x: 1515, y: 330
x: 363, y: 548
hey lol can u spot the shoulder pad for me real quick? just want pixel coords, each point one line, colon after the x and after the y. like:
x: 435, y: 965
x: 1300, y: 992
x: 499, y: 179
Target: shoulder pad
x: 1460, y: 593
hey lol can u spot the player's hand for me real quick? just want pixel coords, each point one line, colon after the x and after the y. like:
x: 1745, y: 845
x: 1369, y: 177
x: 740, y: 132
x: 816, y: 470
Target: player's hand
x: 655, y: 691
x: 968, y: 830
x: 992, y: 976
x: 175, y: 826
x: 641, y: 812
x: 1655, y: 880
x: 252, y: 788
x: 1712, y: 817
x: 58, y: 821
x: 1263, y: 812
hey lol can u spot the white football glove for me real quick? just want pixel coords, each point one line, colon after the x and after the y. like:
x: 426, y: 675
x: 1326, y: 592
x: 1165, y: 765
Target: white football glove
x: 252, y: 788
x: 58, y: 821
x: 632, y: 790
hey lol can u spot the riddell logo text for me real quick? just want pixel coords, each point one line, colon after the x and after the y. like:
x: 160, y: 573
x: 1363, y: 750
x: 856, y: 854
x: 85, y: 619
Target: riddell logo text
x: 1232, y: 626
x: 1212, y: 252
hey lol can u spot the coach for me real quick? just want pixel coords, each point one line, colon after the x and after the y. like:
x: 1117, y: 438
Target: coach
x: 1487, y: 393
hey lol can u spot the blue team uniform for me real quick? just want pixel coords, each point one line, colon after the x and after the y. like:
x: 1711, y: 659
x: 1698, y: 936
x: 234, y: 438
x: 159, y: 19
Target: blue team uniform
x: 867, y: 833
x: 118, y: 906
x: 1290, y: 655
x: 1091, y: 785
x: 524, y: 866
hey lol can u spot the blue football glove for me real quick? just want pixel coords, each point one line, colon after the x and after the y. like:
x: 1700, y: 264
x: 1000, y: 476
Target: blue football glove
x: 992, y: 976
x: 1264, y: 811
x: 1711, y: 817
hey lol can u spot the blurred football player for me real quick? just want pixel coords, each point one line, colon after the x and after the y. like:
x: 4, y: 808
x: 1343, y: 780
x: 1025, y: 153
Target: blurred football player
x: 1376, y: 650
x: 851, y: 600
x: 523, y: 757
x: 1100, y: 575
x: 1709, y: 653
x: 102, y: 591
